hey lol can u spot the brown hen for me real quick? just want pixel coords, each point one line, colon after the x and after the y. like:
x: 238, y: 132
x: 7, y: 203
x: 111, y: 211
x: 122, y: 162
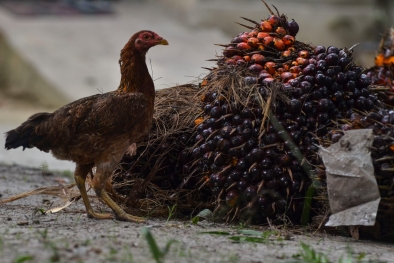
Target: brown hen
x: 97, y: 130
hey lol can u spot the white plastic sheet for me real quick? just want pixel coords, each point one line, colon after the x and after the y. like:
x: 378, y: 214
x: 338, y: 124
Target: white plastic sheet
x: 352, y: 188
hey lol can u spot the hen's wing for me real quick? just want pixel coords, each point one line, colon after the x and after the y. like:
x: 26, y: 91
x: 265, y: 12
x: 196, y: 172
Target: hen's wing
x: 101, y: 115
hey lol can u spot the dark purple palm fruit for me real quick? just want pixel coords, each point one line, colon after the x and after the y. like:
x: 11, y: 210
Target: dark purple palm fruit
x: 250, y: 80
x: 293, y: 27
x: 319, y: 50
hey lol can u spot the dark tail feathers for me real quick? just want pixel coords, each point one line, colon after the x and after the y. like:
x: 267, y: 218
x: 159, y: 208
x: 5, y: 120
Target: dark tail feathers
x: 25, y: 134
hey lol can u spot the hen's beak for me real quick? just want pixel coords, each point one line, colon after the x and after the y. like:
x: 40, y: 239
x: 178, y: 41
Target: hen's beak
x: 162, y: 42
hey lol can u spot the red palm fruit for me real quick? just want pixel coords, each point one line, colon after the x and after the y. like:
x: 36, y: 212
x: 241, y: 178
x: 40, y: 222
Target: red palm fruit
x: 253, y: 33
x: 268, y: 40
x: 243, y: 46
x: 286, y: 76
x: 268, y: 80
x: 281, y: 31
x: 303, y: 54
x: 291, y: 49
x: 247, y: 58
x: 231, y: 51
x: 262, y: 35
x: 261, y: 47
x: 295, y: 69
x: 241, y: 62
x: 279, y: 44
x: 294, y: 63
x: 270, y: 67
x: 288, y: 40
x: 286, y: 53
x: 279, y: 71
x: 301, y: 60
x: 295, y: 74
x: 266, y: 26
x: 231, y: 61
x: 273, y: 20
x: 253, y: 42
x: 286, y: 67
x: 257, y: 58
x: 236, y: 57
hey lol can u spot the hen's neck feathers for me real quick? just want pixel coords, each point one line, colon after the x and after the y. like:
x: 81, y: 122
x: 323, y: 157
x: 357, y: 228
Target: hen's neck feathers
x: 135, y: 76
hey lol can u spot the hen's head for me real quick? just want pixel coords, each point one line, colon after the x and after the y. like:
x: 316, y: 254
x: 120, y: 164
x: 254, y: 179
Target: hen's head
x: 142, y: 41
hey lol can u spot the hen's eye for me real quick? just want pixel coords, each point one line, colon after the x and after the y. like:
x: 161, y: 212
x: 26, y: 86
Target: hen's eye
x: 146, y: 37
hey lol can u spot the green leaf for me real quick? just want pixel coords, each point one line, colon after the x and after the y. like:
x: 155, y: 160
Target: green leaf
x: 206, y: 214
x: 195, y: 220
x: 250, y: 232
x: 220, y: 233
x: 168, y: 245
x: 306, y: 211
x: 248, y: 239
x: 24, y: 258
x: 154, y: 249
x: 309, y: 255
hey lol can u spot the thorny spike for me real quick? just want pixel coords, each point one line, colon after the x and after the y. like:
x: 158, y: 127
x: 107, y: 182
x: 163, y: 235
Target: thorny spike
x: 204, y: 183
x: 231, y: 186
x: 277, y: 12
x: 235, y: 214
x: 249, y: 27
x: 226, y: 168
x: 250, y: 20
x: 222, y: 45
x: 269, y: 9
x: 252, y: 166
x: 355, y: 45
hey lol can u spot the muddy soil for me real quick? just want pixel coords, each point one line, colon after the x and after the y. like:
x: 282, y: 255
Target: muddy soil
x: 26, y: 235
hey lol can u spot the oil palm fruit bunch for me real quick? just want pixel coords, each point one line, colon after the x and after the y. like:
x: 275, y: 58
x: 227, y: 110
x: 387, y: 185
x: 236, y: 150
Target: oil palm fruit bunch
x: 382, y: 74
x: 267, y: 105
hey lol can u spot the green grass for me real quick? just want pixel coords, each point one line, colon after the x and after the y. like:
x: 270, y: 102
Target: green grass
x: 23, y: 258
x: 171, y: 212
x: 310, y: 255
x: 157, y: 253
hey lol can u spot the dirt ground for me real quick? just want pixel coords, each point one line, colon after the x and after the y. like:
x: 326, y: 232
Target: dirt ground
x: 69, y: 236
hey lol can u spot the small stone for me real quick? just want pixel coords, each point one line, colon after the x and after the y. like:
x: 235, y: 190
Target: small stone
x: 22, y: 223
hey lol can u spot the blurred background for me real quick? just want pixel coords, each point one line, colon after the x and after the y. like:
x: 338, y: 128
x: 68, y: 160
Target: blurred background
x: 55, y: 51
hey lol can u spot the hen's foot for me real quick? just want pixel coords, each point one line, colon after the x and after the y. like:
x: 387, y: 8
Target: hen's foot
x: 95, y: 215
x: 126, y: 217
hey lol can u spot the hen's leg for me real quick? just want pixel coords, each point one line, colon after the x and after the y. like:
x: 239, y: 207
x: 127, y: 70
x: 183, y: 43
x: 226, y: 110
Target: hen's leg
x: 81, y: 172
x: 104, y: 171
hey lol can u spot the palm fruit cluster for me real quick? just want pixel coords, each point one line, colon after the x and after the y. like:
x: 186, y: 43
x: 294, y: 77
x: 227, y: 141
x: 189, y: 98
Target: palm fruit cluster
x: 248, y: 137
x: 252, y: 164
x: 382, y: 74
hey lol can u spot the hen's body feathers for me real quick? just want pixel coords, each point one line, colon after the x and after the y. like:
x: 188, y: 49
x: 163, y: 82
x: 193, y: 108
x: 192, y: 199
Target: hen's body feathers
x: 82, y: 130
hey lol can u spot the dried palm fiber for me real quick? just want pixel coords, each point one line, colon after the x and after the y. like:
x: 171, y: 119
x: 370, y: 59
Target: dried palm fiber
x: 153, y: 179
